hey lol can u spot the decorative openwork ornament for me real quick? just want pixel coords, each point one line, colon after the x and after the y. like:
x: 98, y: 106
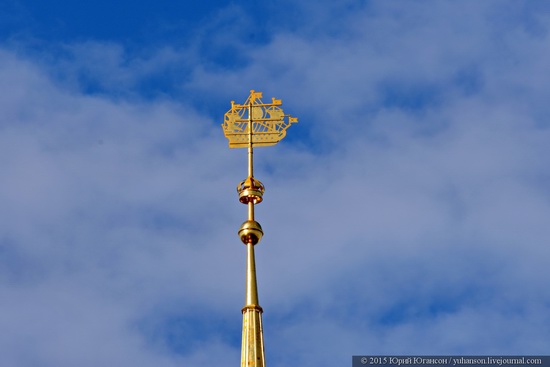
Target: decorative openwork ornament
x: 263, y: 124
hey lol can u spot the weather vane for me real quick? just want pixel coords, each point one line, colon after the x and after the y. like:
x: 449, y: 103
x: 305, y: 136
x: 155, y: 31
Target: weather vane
x: 249, y: 125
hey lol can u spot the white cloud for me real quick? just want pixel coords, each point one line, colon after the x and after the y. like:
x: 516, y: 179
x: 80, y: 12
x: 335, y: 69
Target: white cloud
x: 402, y: 222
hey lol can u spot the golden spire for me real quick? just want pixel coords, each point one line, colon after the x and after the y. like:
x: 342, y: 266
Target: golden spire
x: 251, y: 124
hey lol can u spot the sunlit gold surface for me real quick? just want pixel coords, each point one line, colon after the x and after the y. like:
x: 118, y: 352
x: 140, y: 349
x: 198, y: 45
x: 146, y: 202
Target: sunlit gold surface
x: 252, y: 353
x: 249, y: 125
x: 251, y: 232
x: 250, y: 190
x: 269, y: 123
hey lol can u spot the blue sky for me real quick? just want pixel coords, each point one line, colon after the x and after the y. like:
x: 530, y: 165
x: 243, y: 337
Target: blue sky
x: 406, y: 213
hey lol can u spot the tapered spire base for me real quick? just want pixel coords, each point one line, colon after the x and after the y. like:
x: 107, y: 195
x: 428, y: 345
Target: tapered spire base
x: 253, y: 337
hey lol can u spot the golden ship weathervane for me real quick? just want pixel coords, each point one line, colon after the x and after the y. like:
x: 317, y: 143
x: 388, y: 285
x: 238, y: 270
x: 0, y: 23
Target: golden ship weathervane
x: 249, y: 125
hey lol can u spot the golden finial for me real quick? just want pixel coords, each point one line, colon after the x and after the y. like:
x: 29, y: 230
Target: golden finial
x: 249, y: 125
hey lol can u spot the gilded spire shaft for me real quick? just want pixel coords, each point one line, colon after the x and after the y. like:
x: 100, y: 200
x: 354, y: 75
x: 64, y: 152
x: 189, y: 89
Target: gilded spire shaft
x: 251, y: 283
x: 252, y: 354
x: 253, y: 123
x: 250, y: 143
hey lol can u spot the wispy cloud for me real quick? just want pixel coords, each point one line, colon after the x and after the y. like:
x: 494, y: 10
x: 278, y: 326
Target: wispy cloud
x: 407, y: 214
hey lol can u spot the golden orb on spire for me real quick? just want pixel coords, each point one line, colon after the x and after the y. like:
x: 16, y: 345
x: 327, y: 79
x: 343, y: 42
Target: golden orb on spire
x: 251, y: 232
